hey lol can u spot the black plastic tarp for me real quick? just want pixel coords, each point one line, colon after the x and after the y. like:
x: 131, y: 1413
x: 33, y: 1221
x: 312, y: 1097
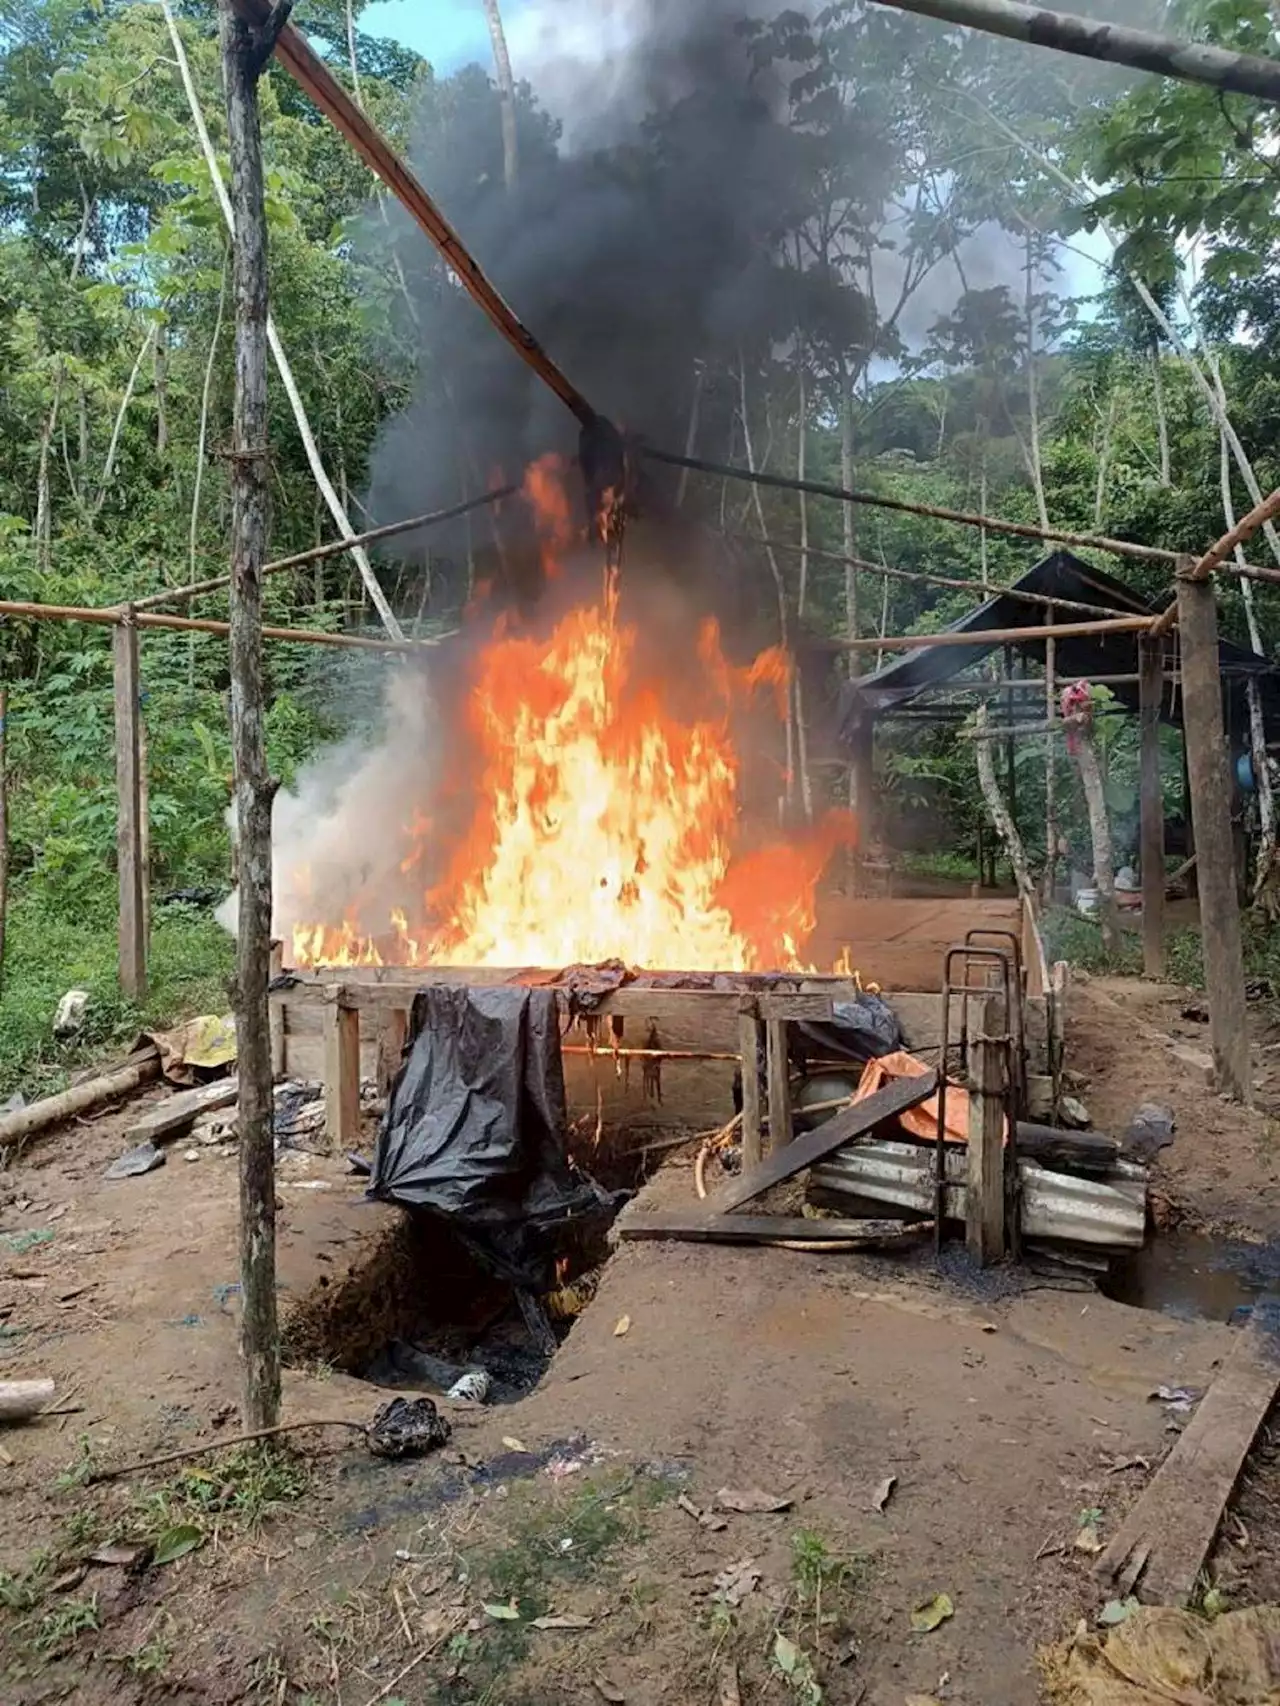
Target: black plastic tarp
x: 475, y: 1127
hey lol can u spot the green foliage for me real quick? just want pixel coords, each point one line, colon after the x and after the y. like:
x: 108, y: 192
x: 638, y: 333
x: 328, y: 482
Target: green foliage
x: 51, y: 952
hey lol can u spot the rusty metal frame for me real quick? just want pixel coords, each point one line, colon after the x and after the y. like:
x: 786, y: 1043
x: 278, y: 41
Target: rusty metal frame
x: 1009, y: 966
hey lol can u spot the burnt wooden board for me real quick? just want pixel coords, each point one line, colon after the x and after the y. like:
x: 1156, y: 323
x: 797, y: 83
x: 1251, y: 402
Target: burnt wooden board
x: 180, y: 1112
x: 701, y: 1228
x: 850, y: 1123
x: 1177, y: 1517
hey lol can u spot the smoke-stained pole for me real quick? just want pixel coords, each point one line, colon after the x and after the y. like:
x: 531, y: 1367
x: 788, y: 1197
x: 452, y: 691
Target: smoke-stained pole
x: 1066, y: 32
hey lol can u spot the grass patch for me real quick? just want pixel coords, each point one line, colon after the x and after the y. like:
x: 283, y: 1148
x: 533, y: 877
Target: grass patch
x: 549, y: 1543
x: 242, y: 1489
x: 46, y: 954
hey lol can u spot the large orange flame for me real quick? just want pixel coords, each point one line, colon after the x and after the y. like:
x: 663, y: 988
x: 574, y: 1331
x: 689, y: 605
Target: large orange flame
x: 605, y: 826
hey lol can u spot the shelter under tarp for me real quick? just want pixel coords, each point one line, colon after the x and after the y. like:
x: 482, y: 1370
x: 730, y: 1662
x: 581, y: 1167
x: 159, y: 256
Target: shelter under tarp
x: 1084, y: 656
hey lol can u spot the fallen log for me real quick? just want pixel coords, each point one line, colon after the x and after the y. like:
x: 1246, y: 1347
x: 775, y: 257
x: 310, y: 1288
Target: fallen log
x: 20, y: 1400
x: 79, y: 1099
x: 1073, y: 1151
x: 697, y: 1227
x: 180, y: 1112
x: 1169, y: 1532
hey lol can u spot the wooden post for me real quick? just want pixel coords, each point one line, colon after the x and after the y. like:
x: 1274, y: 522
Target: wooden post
x: 395, y: 1030
x: 132, y: 923
x: 985, y: 1193
x: 781, y: 1131
x: 144, y: 826
x: 1150, y: 691
x: 4, y: 822
x: 749, y: 1049
x: 1010, y: 754
x: 1209, y: 769
x: 245, y: 50
x: 278, y: 1021
x: 341, y: 1071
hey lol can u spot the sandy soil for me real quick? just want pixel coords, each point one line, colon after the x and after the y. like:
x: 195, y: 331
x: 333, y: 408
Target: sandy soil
x: 1003, y: 1406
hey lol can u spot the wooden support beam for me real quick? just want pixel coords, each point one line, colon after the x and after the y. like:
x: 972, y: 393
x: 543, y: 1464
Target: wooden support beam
x: 1209, y: 770
x: 855, y: 1121
x: 276, y: 1009
x: 781, y: 1130
x: 985, y: 1231
x: 342, y: 1073
x: 700, y: 1228
x: 395, y: 1031
x: 1150, y: 693
x: 749, y: 1041
x: 132, y: 950
x: 1171, y: 1528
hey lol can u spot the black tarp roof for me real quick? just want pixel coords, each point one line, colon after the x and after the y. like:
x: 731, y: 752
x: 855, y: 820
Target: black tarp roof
x: 1061, y: 575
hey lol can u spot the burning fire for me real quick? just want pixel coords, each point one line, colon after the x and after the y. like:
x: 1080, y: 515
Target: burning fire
x: 605, y: 825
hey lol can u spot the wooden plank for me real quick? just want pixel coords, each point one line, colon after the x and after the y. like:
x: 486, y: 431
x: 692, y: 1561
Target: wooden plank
x: 1208, y: 763
x: 853, y: 1122
x: 985, y: 1232
x: 1178, y: 1514
x: 132, y: 946
x: 342, y: 1074
x: 701, y: 1228
x: 1150, y: 693
x: 180, y: 1112
x: 781, y: 1129
x: 749, y: 1049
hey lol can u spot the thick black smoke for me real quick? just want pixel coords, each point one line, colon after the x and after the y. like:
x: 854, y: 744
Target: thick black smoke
x: 645, y: 247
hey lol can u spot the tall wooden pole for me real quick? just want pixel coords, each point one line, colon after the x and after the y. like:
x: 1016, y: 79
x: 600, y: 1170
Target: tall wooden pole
x: 245, y: 49
x: 1150, y: 691
x: 1210, y: 774
x: 132, y: 939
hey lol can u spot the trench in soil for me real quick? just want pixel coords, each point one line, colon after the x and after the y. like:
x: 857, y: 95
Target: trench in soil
x: 419, y: 1310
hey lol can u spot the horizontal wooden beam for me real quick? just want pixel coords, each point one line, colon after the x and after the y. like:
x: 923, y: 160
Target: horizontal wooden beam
x: 701, y: 1228
x: 111, y: 618
x: 995, y: 636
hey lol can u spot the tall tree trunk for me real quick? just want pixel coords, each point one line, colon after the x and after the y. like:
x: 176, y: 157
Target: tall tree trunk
x: 206, y: 391
x: 1086, y: 756
x: 1104, y: 460
x: 242, y: 57
x: 352, y: 58
x: 1033, y: 397
x: 779, y: 586
x: 108, y: 467
x: 802, y: 733
x: 44, y: 492
x: 1162, y: 418
x: 160, y: 376
x: 1266, y: 876
x: 1050, y: 768
x: 314, y: 462
x: 984, y: 564
x: 850, y: 538
x: 506, y: 91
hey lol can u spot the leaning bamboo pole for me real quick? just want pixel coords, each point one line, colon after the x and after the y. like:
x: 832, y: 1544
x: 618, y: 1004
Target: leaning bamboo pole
x: 334, y: 548
x: 996, y: 636
x: 110, y: 617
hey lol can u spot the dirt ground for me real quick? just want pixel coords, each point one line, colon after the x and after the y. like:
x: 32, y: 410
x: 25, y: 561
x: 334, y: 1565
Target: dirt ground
x: 1004, y: 1407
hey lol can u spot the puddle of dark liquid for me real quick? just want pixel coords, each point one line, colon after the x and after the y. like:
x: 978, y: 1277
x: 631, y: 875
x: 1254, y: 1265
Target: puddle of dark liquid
x: 1193, y: 1276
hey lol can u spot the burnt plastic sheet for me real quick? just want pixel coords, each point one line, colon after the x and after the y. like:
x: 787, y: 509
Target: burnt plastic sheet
x: 858, y: 1031
x: 475, y: 1128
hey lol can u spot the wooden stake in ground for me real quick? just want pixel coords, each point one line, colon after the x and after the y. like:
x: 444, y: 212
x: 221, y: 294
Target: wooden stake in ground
x: 132, y: 947
x: 244, y: 52
x: 1150, y: 691
x: 1210, y: 776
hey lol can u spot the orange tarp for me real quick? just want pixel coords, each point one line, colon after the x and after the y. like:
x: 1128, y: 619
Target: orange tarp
x: 922, y: 1120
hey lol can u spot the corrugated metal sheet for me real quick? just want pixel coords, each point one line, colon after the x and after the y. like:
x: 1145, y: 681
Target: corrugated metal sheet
x: 1054, y: 1205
